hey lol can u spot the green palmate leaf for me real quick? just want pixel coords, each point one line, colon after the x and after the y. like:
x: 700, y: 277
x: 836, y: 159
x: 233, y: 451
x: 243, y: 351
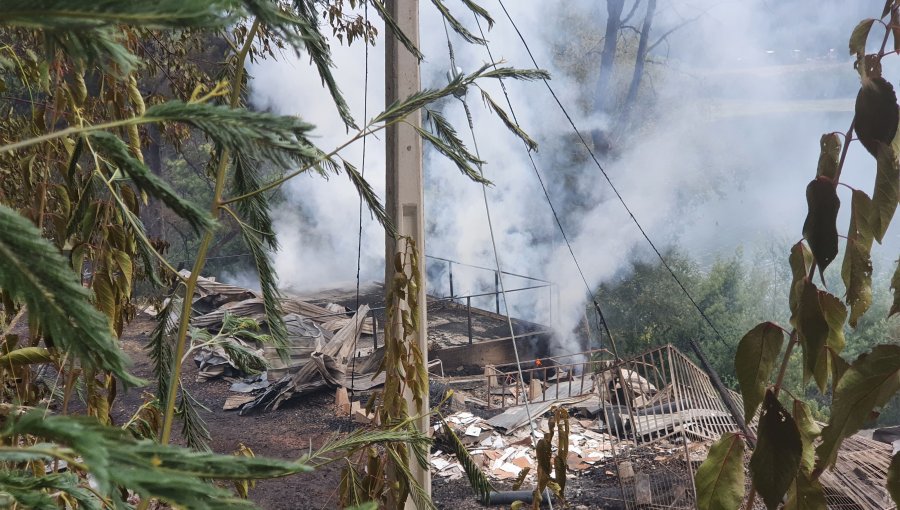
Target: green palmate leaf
x: 162, y: 344
x: 776, y: 458
x: 857, y: 268
x: 893, y: 479
x: 869, y: 383
x: 64, y: 14
x: 369, y: 197
x: 303, y: 31
x: 876, y: 117
x: 442, y: 128
x: 887, y: 191
x: 193, y: 427
x: 820, y: 227
x: 895, y: 286
x: 34, y: 272
x: 395, y: 30
x: 479, y: 12
x: 254, y: 210
x: 455, y: 24
x: 279, y: 139
x: 477, y: 479
x: 25, y: 356
x: 28, y: 490
x: 268, y: 284
x: 508, y: 122
x: 805, y: 493
x: 829, y: 156
x: 801, y: 261
x: 117, y: 153
x: 756, y: 355
x: 859, y: 36
x: 464, y: 165
x: 720, y: 479
x: 114, y: 458
x: 809, y: 431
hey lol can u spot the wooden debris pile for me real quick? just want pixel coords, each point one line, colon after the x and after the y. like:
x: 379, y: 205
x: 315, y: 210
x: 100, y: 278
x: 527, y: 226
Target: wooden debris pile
x: 320, y: 342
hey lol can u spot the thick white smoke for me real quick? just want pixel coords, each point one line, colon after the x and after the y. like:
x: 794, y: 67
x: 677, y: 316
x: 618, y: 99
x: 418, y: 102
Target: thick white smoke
x: 743, y: 90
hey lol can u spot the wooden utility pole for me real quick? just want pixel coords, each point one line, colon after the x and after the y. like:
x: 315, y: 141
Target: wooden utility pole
x: 404, y: 191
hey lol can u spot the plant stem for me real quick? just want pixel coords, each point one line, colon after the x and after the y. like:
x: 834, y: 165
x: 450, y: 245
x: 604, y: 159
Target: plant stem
x: 191, y: 284
x: 779, y: 381
x: 74, y: 130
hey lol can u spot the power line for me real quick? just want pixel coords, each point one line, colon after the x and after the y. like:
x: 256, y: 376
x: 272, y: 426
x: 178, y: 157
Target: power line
x: 562, y: 230
x: 608, y: 180
x: 362, y: 168
x: 487, y: 210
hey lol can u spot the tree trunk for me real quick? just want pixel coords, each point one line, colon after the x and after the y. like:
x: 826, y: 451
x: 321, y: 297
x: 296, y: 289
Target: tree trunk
x: 602, y: 93
x: 639, y: 61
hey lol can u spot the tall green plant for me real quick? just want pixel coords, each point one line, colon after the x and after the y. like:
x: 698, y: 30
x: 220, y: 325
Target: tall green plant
x: 791, y: 452
x: 72, y: 242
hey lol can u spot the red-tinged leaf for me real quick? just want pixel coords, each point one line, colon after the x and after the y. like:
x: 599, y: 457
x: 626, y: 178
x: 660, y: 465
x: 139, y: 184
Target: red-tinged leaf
x: 857, y: 268
x: 876, y: 114
x: 829, y: 155
x: 887, y: 191
x: 887, y: 7
x: 820, y: 227
x: 868, y: 384
x: 806, y: 493
x: 895, y: 28
x: 756, y: 355
x: 776, y: 458
x: 720, y: 479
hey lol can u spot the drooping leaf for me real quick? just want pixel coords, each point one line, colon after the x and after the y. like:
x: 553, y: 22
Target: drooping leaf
x: 508, y: 121
x: 859, y: 36
x: 34, y: 272
x: 812, y: 328
x: 893, y: 478
x: 455, y: 24
x: 805, y: 493
x: 877, y: 116
x: 175, y: 475
x: 829, y: 155
x: 869, y: 383
x: 857, y: 268
x: 776, y: 458
x: 809, y: 431
x: 25, y: 356
x: 887, y: 191
x: 820, y: 227
x: 756, y: 355
x: 720, y: 479
x: 29, y: 491
x: 839, y: 367
x: 477, y: 479
x: 887, y: 7
x: 115, y: 150
x: 801, y: 261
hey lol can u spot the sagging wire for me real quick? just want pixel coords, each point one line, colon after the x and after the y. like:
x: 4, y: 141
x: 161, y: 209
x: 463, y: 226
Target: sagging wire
x: 611, y: 185
x: 362, y: 169
x: 487, y: 209
x: 562, y: 230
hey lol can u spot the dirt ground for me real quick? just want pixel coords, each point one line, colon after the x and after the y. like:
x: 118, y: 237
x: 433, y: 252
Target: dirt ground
x: 306, y: 423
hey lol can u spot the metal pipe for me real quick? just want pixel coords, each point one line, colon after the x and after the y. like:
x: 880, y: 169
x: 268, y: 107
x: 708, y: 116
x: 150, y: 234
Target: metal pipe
x: 497, y: 290
x: 508, y: 497
x: 469, y: 316
x: 451, y: 280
